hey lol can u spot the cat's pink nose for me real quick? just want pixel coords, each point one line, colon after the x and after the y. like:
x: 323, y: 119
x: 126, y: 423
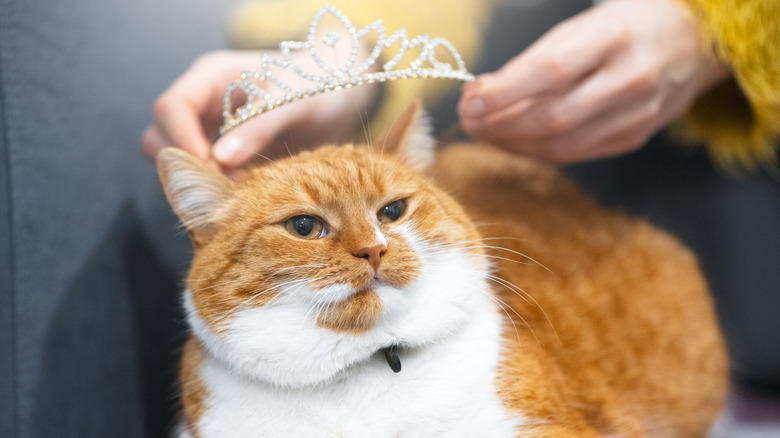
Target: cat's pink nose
x: 373, y: 254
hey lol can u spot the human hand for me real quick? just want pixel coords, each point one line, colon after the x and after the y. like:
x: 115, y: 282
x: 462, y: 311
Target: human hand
x: 188, y: 114
x: 597, y: 85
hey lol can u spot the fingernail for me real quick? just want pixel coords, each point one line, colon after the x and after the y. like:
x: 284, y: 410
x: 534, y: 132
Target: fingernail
x: 227, y: 148
x: 474, y: 107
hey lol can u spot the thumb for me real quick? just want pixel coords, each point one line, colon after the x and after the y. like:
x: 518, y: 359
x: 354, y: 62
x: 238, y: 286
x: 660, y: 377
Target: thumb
x: 250, y: 139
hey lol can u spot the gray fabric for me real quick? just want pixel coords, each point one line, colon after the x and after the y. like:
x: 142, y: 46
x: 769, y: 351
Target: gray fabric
x: 7, y: 335
x: 90, y: 257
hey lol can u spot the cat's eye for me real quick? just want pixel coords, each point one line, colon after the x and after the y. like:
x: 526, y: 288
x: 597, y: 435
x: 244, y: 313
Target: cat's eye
x: 305, y: 227
x: 392, y: 211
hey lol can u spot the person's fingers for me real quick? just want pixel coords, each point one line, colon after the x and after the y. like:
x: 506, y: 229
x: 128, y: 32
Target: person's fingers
x: 152, y: 142
x: 617, y: 135
x: 563, y: 56
x: 253, y: 138
x: 188, y: 114
x: 533, y: 116
x: 615, y: 86
x: 619, y: 131
x: 180, y: 120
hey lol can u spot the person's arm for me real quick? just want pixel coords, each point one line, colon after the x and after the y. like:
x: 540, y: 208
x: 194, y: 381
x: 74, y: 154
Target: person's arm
x: 597, y: 85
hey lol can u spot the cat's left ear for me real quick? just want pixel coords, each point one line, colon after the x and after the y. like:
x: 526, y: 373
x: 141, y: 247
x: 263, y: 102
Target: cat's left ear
x: 410, y: 137
x: 196, y: 192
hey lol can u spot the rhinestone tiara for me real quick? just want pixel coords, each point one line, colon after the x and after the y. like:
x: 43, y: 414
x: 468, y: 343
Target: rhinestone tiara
x: 350, y: 74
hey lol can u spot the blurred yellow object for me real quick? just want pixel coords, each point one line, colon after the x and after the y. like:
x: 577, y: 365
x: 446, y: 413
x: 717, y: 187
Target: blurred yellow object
x: 740, y: 120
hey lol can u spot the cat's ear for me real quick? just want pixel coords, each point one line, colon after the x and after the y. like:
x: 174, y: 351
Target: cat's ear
x: 410, y: 137
x: 196, y: 192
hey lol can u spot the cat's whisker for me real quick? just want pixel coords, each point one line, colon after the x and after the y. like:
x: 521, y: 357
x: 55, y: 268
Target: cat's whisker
x: 484, y: 239
x: 295, y: 289
x: 499, y: 248
x: 240, y: 305
x: 514, y: 288
x: 296, y: 284
x: 315, y: 305
x: 364, y: 122
x: 384, y: 141
x: 430, y: 237
x: 481, y: 225
x: 503, y: 306
x: 289, y: 268
x: 525, y: 296
x: 319, y: 305
x: 323, y: 308
x: 319, y: 302
x: 333, y: 300
x: 477, y: 244
x: 490, y: 257
x: 288, y: 148
x: 257, y: 154
x: 235, y: 280
x: 495, y: 257
x: 226, y: 283
x: 371, y: 160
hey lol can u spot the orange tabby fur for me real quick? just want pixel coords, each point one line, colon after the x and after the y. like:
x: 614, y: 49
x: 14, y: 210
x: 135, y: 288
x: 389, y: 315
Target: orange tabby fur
x: 615, y: 329
x: 610, y: 329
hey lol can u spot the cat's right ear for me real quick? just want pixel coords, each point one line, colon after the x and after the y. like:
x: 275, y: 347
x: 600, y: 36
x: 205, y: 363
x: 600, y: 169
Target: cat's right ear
x: 410, y: 137
x: 196, y: 192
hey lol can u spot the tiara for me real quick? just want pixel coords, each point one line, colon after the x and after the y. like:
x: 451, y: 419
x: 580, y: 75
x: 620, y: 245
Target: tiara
x: 350, y: 74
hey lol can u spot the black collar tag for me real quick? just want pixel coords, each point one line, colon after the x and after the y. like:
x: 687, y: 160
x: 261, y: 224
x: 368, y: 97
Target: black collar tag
x: 392, y: 359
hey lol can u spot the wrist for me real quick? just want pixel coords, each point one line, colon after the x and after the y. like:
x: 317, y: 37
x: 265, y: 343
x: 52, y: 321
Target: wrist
x: 714, y: 72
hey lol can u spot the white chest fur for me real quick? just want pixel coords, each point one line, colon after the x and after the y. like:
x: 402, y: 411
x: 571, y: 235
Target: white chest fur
x: 275, y: 373
x: 447, y: 389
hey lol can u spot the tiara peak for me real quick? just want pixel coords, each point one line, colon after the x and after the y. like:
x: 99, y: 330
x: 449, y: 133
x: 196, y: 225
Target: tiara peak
x: 331, y: 78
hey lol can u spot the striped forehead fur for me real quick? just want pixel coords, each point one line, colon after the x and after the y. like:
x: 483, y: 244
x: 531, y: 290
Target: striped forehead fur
x: 322, y: 179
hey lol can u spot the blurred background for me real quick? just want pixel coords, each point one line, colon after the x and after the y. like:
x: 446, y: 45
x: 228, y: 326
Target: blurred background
x: 92, y: 260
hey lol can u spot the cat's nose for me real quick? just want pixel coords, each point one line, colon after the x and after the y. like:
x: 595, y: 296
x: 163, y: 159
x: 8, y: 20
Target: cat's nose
x: 373, y: 254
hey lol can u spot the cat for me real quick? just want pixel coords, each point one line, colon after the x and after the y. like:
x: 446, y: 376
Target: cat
x: 399, y: 290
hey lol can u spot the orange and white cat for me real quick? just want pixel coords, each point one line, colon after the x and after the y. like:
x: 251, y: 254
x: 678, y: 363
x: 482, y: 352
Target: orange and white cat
x: 392, y: 290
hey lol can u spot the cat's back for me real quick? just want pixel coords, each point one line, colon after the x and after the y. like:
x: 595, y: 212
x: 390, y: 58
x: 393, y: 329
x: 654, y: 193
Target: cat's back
x: 612, y: 325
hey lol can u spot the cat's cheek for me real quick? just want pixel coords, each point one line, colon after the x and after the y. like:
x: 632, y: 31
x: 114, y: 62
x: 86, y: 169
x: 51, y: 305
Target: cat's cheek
x: 401, y: 266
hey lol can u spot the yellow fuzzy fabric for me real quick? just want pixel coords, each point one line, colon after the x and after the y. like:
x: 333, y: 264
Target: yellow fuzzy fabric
x: 740, y: 120
x: 266, y: 23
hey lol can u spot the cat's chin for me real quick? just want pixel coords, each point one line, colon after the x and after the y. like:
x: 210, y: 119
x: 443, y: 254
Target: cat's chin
x: 285, y: 346
x: 311, y: 356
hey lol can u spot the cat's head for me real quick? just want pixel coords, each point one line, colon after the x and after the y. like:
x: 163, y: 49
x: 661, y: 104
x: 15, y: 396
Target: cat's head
x: 311, y: 264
